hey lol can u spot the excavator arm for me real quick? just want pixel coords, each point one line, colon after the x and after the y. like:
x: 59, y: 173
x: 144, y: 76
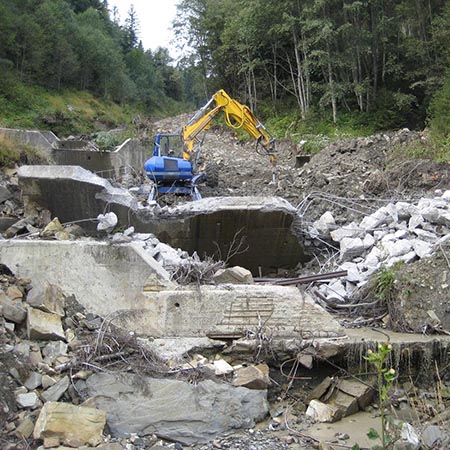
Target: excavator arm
x: 236, y: 116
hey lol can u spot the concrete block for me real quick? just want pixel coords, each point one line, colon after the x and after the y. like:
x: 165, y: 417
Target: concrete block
x: 349, y: 248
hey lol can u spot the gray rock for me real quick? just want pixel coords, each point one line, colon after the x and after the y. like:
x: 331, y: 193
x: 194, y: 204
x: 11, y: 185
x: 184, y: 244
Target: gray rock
x: 5, y: 194
x: 173, y: 409
x: 433, y: 435
x: 49, y: 298
x: 53, y: 350
x: 446, y: 195
x: 423, y: 249
x: 33, y: 381
x: 406, y: 258
x: 353, y: 273
x: 375, y: 220
x: 431, y: 214
x: 398, y: 248
x: 11, y: 310
x: 405, y: 210
x: 415, y: 221
x: 28, y: 400
x: 410, y: 437
x: 325, y: 224
x: 368, y: 241
x: 45, y: 326
x: 425, y: 235
x: 54, y: 393
x: 22, y: 348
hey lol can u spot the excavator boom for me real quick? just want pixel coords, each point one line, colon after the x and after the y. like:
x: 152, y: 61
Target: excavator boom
x: 236, y: 116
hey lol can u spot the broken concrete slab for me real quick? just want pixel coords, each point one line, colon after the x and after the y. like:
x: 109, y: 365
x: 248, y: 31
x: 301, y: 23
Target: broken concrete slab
x: 115, y: 285
x: 175, y: 410
x: 203, y: 226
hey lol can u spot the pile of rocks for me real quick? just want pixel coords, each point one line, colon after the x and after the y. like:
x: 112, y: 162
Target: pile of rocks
x: 396, y: 232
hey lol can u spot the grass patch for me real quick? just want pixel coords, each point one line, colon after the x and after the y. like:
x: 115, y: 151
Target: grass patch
x: 64, y: 113
x: 432, y: 149
x: 13, y: 152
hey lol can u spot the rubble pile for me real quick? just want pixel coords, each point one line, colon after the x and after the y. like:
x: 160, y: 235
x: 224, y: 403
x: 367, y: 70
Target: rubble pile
x: 397, y: 233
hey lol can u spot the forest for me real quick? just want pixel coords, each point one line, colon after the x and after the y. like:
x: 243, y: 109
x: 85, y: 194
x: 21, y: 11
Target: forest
x: 378, y: 64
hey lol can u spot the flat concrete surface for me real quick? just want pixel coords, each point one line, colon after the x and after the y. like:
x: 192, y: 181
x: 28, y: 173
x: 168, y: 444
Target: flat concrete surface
x: 255, y: 312
x: 359, y: 335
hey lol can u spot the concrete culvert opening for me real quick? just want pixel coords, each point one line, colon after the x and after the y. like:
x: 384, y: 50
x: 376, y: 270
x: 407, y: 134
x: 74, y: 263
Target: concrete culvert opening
x: 253, y: 234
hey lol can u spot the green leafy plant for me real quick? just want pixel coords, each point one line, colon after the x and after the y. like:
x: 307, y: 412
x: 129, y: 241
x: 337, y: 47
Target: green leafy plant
x: 385, y: 378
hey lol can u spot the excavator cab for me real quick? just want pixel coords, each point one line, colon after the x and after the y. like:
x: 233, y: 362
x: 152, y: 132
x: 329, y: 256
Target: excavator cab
x: 170, y: 173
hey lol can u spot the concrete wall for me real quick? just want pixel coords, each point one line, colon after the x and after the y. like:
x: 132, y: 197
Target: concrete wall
x: 39, y: 139
x: 128, y: 157
x: 123, y: 284
x: 104, y: 278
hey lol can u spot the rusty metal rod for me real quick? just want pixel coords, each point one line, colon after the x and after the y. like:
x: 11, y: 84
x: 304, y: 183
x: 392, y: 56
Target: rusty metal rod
x: 303, y: 280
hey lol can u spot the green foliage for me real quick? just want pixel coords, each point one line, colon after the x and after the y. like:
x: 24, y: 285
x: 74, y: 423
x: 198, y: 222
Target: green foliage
x: 62, y: 45
x: 385, y: 280
x: 108, y: 141
x: 440, y: 117
x: 435, y: 149
x: 385, y: 379
x: 12, y: 152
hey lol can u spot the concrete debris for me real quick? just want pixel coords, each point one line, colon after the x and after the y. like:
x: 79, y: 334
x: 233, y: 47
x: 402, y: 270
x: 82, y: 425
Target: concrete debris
x: 396, y: 232
x: 72, y: 425
x: 233, y: 275
x: 107, y: 222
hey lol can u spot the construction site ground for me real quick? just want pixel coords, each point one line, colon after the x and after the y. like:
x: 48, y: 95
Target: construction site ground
x: 351, y: 179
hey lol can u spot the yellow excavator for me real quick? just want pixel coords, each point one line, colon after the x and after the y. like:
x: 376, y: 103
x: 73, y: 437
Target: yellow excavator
x: 173, y: 168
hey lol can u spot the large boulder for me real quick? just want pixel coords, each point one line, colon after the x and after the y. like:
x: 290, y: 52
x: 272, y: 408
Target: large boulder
x: 175, y: 410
